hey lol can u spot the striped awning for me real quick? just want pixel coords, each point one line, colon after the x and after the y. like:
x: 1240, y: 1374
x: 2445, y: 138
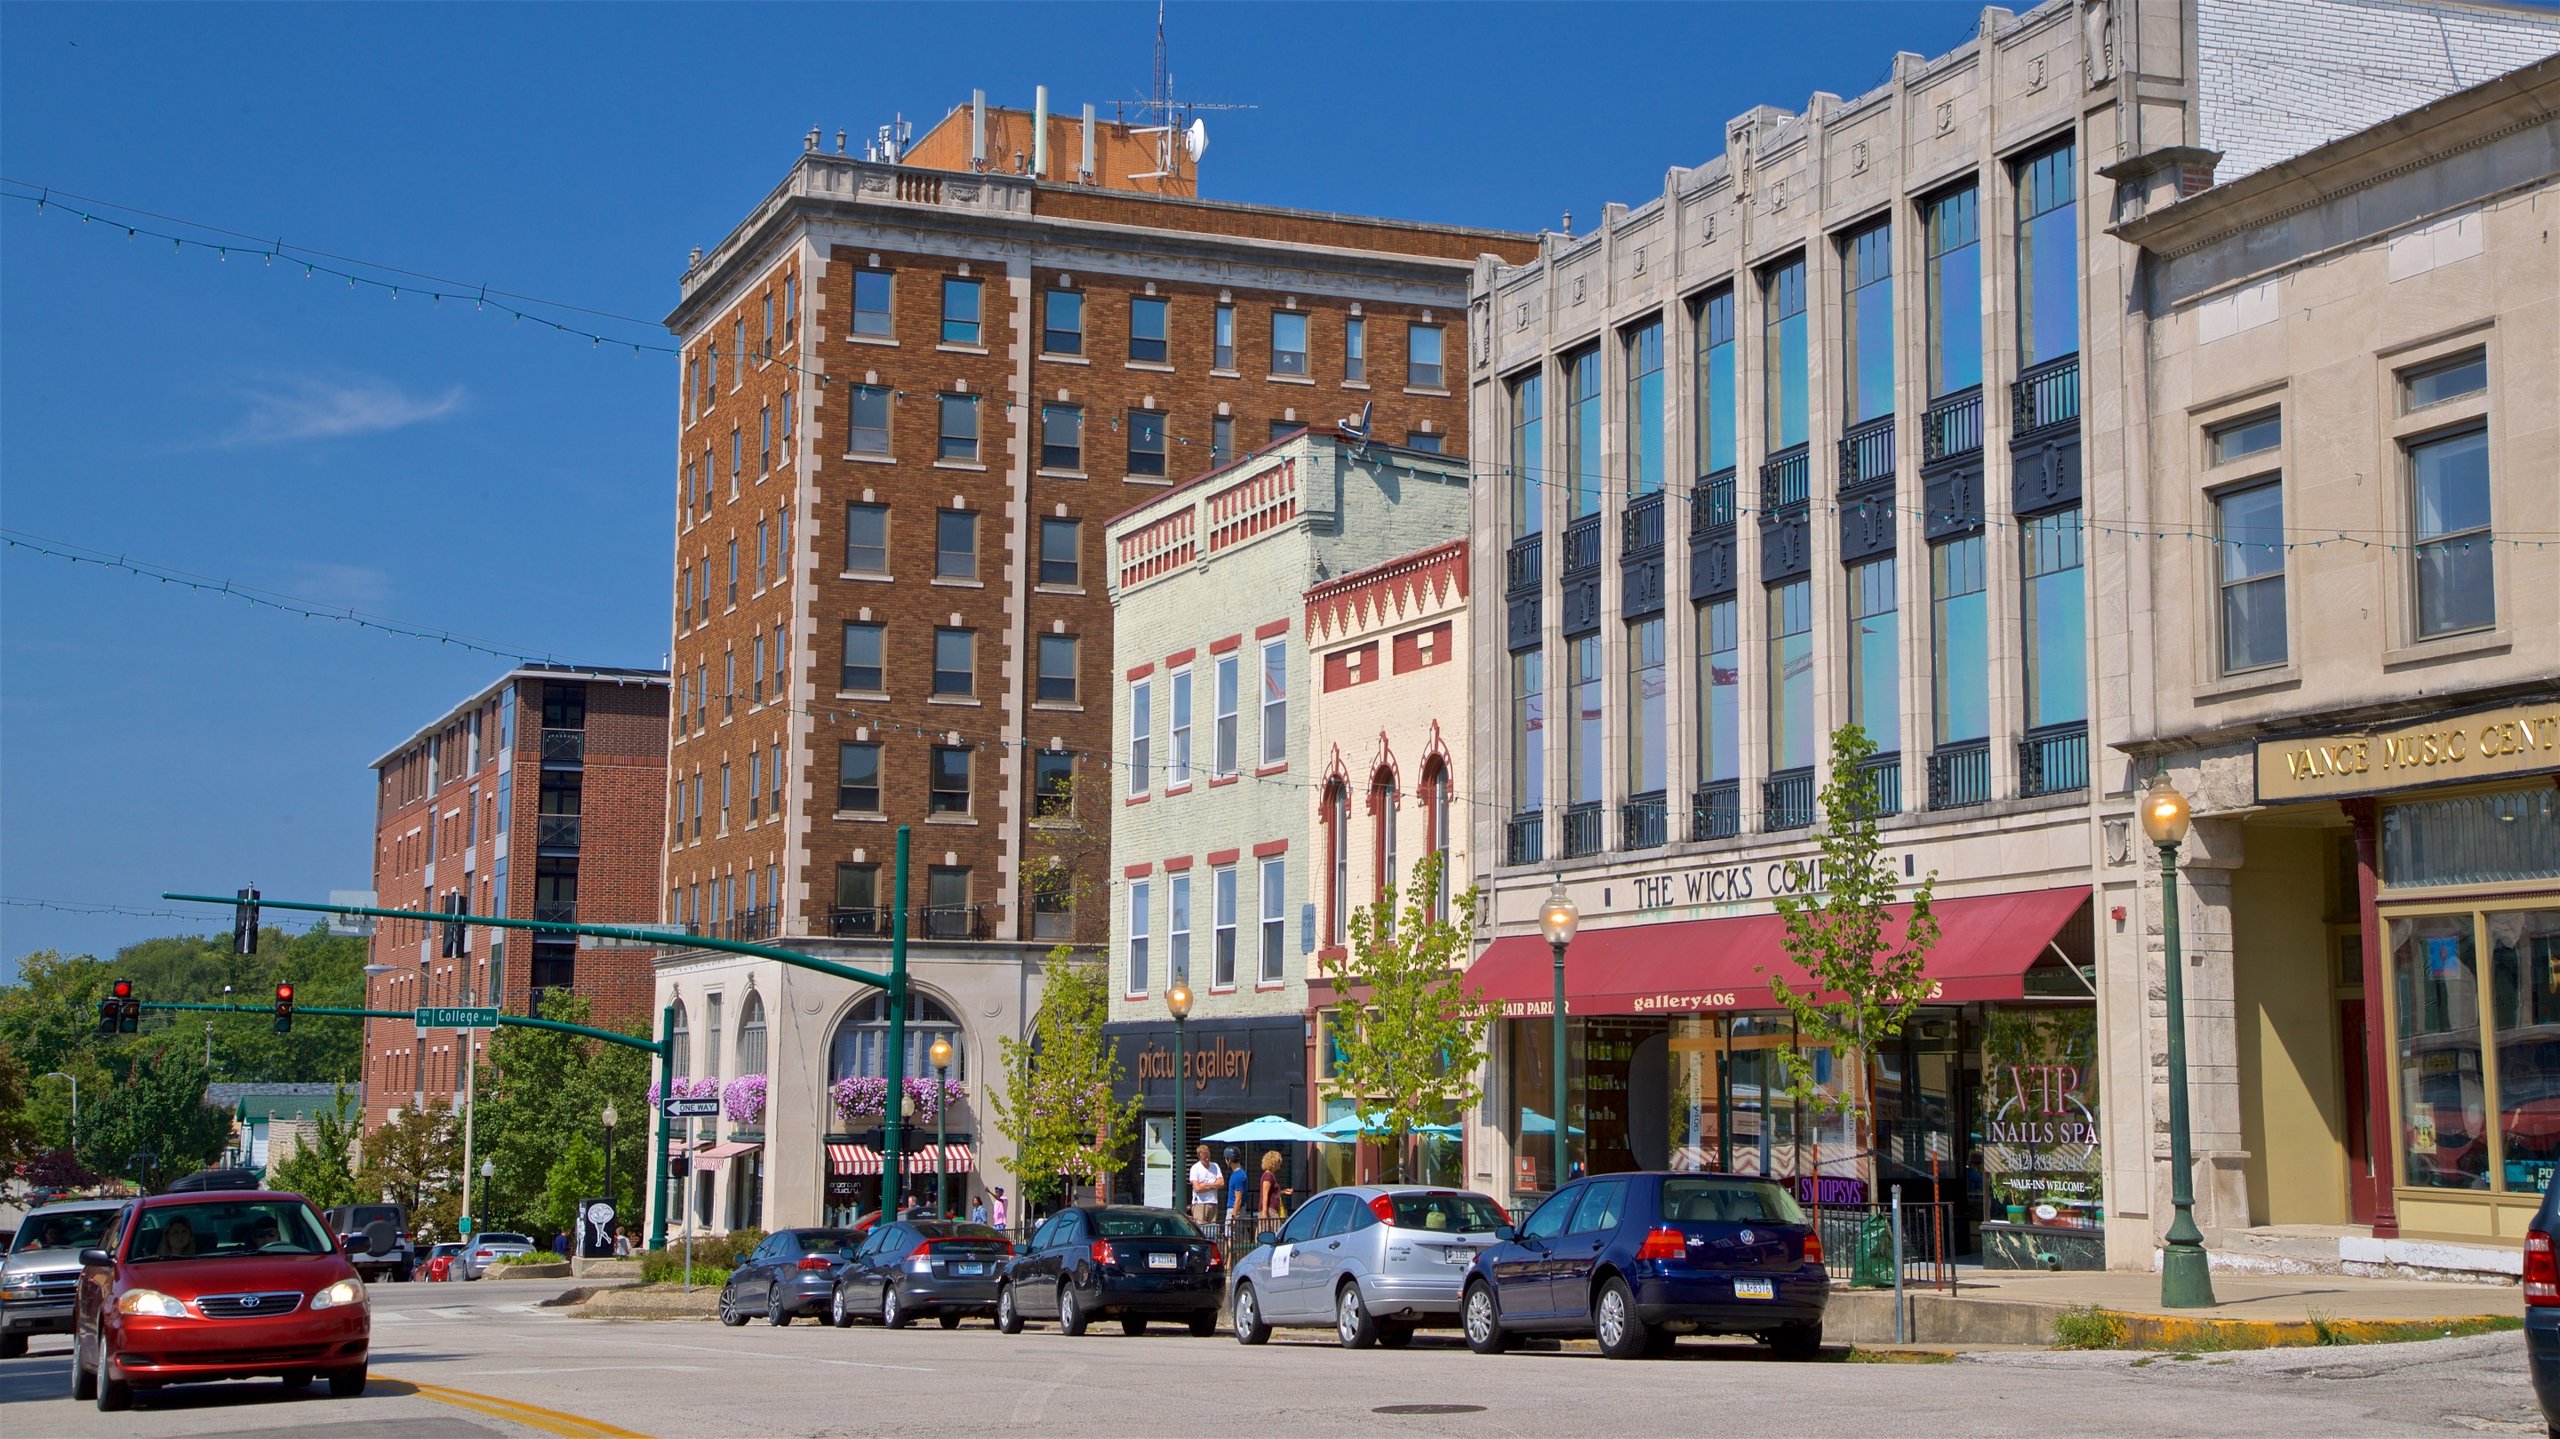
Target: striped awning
x: 852, y: 1159
x: 958, y: 1161
x: 863, y: 1159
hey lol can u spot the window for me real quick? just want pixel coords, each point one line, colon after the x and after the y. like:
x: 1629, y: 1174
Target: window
x: 1225, y: 682
x: 860, y: 1043
x: 1355, y: 351
x: 1866, y: 324
x: 751, y: 1036
x: 2048, y: 257
x: 1783, y: 354
x: 2449, y: 484
x: 1644, y: 407
x: 1222, y: 439
x: 1177, y: 769
x: 755, y: 784
x: 871, y: 303
x: 1422, y: 368
x: 1275, y: 702
x: 959, y: 311
x: 790, y: 307
x: 948, y: 915
x: 1222, y: 341
x: 857, y: 907
x: 2248, y: 528
x: 1178, y: 932
x: 1384, y: 802
x: 2445, y: 380
x: 1275, y: 895
x: 1147, y: 331
x: 1528, y: 732
x: 866, y: 539
x: 1141, y: 735
x: 1962, y: 653
x: 738, y: 352
x: 697, y: 804
x: 864, y: 644
x: 1062, y: 330
x: 955, y: 662
x: 1582, y: 757
x: 1648, y: 734
x: 2055, y: 613
x: 1582, y: 431
x: 955, y: 545
x: 1423, y: 440
x: 764, y: 443
x: 1954, y: 242
x: 1146, y: 442
x: 728, y: 684
x: 1059, y: 564
x: 733, y: 574
x: 774, y: 769
x: 1288, y: 343
x: 737, y: 458
x: 764, y: 555
x: 724, y: 796
x: 790, y: 406
x: 1057, y: 669
x: 1791, y: 676
x: 1338, y: 838
x: 1528, y: 454
x: 1062, y: 437
x: 1053, y: 784
x: 1222, y: 919
x: 1283, y: 429
x: 950, y: 780
x: 1875, y: 651
x: 1139, y: 893
x: 867, y: 420
x: 858, y: 779
x: 2243, y: 438
x: 959, y: 428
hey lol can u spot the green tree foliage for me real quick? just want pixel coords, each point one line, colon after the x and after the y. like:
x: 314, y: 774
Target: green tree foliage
x: 1408, y: 1050
x: 20, y: 1142
x: 1056, y: 1101
x: 323, y: 1169
x: 1860, y: 984
x: 540, y: 1094
x: 416, y: 1161
x: 150, y: 1122
x: 577, y: 1175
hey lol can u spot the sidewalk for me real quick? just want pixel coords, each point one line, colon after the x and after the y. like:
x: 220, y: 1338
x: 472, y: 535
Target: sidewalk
x: 2021, y: 1307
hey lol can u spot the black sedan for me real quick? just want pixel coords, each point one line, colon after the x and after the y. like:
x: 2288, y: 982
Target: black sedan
x: 1121, y: 1261
x: 912, y: 1267
x: 792, y: 1273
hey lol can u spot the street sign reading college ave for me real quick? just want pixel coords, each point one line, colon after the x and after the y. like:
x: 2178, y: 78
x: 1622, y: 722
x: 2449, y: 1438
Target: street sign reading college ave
x: 457, y: 1017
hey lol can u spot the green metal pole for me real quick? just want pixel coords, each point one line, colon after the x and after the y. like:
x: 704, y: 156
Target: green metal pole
x: 1181, y: 1168
x: 666, y: 1086
x: 941, y: 1143
x: 2186, y: 1275
x: 1562, y: 1170
x: 893, y: 1157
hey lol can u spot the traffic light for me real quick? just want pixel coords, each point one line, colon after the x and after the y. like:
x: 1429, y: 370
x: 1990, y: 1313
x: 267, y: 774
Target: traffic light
x: 128, y: 1008
x: 284, y: 1009
x: 110, y: 1010
x: 457, y: 941
x: 244, y: 922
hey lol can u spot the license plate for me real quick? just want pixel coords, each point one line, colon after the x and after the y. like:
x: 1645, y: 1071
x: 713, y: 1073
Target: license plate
x: 1755, y: 1289
x: 1456, y: 1256
x: 1164, y: 1261
x: 968, y: 1269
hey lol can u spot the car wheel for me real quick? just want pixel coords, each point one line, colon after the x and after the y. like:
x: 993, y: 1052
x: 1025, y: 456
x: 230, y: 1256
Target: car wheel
x: 1394, y: 1336
x: 1133, y: 1324
x: 1351, y: 1321
x: 1797, y: 1341
x: 1071, y: 1316
x: 948, y: 1321
x: 774, y: 1313
x: 1008, y: 1318
x: 1622, y: 1333
x: 297, y: 1381
x: 346, y: 1383
x: 1204, y: 1324
x: 839, y: 1308
x: 1483, y: 1316
x: 1249, y: 1326
x: 730, y: 1313
x: 13, y: 1346
x: 114, y: 1394
x: 893, y: 1315
x: 84, y: 1380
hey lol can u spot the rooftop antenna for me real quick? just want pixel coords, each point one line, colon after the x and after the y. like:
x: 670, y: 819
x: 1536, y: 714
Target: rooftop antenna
x: 1181, y: 136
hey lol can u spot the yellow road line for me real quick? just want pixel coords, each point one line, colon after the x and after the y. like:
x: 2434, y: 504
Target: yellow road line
x: 549, y: 1421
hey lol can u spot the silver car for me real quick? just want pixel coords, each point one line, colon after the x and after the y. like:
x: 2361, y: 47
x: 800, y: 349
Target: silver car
x: 40, y: 1280
x: 1375, y: 1262
x: 487, y: 1250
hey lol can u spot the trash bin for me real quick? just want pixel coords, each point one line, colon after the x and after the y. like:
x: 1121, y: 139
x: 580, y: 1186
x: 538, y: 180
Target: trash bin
x: 1872, y: 1266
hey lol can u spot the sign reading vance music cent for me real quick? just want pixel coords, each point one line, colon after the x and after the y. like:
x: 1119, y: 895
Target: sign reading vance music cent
x: 2452, y: 749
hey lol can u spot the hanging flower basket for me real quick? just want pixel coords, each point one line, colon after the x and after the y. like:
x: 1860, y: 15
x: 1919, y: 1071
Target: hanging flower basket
x: 929, y: 1093
x: 685, y: 1089
x: 743, y: 1099
x: 860, y: 1096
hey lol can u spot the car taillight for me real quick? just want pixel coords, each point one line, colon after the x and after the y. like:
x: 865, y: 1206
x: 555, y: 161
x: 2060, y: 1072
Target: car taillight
x: 1664, y: 1244
x: 1384, y: 1208
x: 2541, y: 1270
x: 1217, y: 1255
x: 1102, y: 1253
x: 812, y: 1261
x: 1812, y: 1247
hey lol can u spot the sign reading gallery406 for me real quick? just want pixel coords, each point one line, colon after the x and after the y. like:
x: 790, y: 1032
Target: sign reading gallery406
x: 2484, y: 744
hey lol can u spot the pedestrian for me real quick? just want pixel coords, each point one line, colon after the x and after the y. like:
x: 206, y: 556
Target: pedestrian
x: 1239, y: 1187
x: 995, y: 1208
x: 560, y: 1243
x: 621, y: 1242
x: 1271, y: 1192
x: 1208, y: 1181
x: 978, y: 1210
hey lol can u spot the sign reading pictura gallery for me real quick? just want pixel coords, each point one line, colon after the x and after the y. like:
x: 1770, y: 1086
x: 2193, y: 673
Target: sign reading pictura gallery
x: 2481, y: 744
x: 1258, y: 1065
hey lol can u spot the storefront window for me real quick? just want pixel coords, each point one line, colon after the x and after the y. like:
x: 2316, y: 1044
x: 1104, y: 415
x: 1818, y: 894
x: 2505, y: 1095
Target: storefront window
x: 2524, y: 987
x: 2472, y: 839
x: 2435, y: 979
x: 2039, y: 1117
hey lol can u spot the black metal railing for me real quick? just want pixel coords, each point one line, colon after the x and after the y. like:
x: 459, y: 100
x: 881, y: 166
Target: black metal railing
x: 1960, y: 774
x: 1884, y: 772
x: 1858, y: 1247
x: 556, y: 911
x: 1522, y: 565
x: 750, y: 924
x: 1715, y: 811
x: 1524, y: 837
x: 556, y: 831
x: 1640, y: 526
x: 2045, y: 396
x: 1786, y: 800
x: 857, y: 923
x: 1786, y: 478
x: 2054, y: 759
x: 1644, y: 821
x: 564, y: 746
x: 1952, y: 426
x: 1582, y: 829
x: 1866, y: 453
x: 1711, y: 504
x: 950, y: 921
x: 1582, y: 545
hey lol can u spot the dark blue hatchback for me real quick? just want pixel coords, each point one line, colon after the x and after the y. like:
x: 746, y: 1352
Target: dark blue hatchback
x: 1636, y: 1260
x: 2542, y: 1306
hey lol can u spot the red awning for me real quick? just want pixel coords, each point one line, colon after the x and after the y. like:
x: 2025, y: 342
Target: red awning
x: 712, y: 1158
x: 1986, y: 945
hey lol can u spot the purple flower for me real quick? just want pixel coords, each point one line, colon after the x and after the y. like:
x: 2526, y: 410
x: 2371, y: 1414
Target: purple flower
x: 743, y: 1099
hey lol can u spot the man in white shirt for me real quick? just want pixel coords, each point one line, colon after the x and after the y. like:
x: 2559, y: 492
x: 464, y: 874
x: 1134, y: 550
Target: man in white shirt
x: 1207, y: 1181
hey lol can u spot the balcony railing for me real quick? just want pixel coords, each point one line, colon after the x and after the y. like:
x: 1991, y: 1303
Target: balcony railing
x: 1952, y: 427
x: 2045, y: 396
x: 1524, y: 838
x: 1715, y: 811
x: 1581, y: 829
x: 1866, y: 453
x: 950, y: 921
x: 1582, y: 545
x: 1786, y: 478
x: 857, y: 923
x: 2054, y: 759
x: 556, y: 831
x: 1640, y: 526
x: 556, y: 911
x: 1522, y: 565
x: 1884, y: 772
x: 564, y: 747
x: 1786, y: 800
x: 1711, y: 504
x: 1644, y: 821
x: 1960, y: 774
x: 753, y: 923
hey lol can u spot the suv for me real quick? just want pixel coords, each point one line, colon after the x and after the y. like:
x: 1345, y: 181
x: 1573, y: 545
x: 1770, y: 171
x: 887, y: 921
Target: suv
x: 376, y: 1238
x: 41, y: 1277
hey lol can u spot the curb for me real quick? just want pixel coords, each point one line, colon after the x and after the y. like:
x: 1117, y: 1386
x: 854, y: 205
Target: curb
x: 2159, y: 1332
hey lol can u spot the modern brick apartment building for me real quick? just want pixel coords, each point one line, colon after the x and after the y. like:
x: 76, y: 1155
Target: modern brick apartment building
x: 537, y: 798
x: 911, y: 397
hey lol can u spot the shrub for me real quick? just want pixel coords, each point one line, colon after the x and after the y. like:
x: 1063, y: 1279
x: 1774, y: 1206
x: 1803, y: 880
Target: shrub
x: 2089, y: 1327
x: 714, y: 1255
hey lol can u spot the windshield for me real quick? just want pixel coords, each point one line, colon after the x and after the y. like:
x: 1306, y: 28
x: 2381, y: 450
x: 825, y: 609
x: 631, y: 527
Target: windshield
x: 1144, y: 1224
x: 1705, y: 1200
x: 506, y: 1239
x: 1447, y: 1211
x: 227, y: 1229
x: 78, y: 1229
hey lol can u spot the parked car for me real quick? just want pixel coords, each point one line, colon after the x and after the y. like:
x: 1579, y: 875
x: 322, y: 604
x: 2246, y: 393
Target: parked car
x: 1098, y: 1261
x: 1637, y: 1260
x: 908, y: 1268
x: 793, y: 1272
x: 204, y: 1179
x: 192, y: 1287
x: 484, y: 1251
x: 437, y: 1267
x: 376, y: 1238
x: 40, y: 1280
x: 1374, y: 1261
x: 2541, y: 1304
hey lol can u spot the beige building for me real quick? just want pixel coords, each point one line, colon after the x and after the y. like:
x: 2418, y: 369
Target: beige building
x: 2342, y: 602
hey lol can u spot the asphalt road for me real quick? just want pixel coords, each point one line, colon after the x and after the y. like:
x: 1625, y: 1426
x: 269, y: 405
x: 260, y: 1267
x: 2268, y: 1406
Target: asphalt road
x: 462, y: 1361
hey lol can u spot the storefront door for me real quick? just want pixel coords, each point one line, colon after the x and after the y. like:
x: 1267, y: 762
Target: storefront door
x: 2364, y: 1179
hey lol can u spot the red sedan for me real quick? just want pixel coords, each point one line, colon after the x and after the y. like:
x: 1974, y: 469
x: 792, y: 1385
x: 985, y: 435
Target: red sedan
x: 195, y: 1287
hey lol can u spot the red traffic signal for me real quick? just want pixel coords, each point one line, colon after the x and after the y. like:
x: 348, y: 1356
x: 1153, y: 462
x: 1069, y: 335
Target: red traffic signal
x: 284, y: 1009
x: 284, y: 994
x: 124, y: 989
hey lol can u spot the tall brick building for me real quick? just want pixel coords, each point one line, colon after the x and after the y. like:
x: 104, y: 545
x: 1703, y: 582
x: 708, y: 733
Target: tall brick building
x: 911, y: 397
x: 538, y: 799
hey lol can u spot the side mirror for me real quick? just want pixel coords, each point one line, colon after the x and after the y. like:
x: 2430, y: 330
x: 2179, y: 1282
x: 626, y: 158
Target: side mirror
x: 95, y: 1256
x: 1504, y: 1234
x: 1265, y: 1238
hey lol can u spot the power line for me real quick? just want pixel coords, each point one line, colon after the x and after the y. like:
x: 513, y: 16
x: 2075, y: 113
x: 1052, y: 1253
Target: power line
x: 86, y: 908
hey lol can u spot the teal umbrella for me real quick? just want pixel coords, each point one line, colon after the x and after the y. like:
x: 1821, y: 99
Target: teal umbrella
x: 1269, y: 1129
x: 1532, y: 1122
x: 1352, y: 1126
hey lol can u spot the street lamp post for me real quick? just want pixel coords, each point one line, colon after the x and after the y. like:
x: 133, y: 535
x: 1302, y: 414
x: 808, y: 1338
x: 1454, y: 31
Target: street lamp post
x: 488, y: 1171
x: 941, y: 1055
x: 75, y: 1107
x: 610, y: 1118
x: 1177, y: 1002
x: 1560, y: 918
x: 2186, y: 1275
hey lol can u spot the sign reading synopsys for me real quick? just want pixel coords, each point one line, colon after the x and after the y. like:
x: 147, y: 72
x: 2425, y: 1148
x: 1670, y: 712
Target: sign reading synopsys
x: 693, y: 1108
x: 457, y: 1017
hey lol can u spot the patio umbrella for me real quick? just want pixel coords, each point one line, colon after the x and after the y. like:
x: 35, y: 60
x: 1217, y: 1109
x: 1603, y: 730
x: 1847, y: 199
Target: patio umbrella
x: 1532, y: 1122
x: 1352, y: 1126
x: 1269, y: 1129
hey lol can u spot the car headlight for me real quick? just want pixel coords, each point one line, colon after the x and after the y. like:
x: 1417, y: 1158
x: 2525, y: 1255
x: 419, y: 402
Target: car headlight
x: 151, y: 1302
x: 345, y: 1291
x: 30, y: 1292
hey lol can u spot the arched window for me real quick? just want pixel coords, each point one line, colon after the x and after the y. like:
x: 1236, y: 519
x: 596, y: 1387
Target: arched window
x: 1435, y: 818
x: 1337, y: 823
x: 751, y: 1035
x: 1383, y: 801
x: 684, y: 1044
x: 861, y: 1043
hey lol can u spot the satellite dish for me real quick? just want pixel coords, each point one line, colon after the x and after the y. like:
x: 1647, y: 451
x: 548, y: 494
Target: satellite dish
x: 1195, y: 141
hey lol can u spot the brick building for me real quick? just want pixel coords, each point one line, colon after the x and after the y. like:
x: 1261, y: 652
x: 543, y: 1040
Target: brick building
x: 537, y: 798
x: 910, y: 399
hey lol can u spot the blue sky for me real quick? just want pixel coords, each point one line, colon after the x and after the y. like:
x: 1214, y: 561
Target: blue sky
x: 446, y: 466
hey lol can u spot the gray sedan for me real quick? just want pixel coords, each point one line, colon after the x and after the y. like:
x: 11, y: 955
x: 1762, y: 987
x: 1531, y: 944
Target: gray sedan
x: 1375, y: 1262
x: 487, y: 1250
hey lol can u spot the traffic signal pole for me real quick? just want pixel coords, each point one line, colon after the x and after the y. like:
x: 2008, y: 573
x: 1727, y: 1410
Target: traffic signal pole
x: 666, y: 1086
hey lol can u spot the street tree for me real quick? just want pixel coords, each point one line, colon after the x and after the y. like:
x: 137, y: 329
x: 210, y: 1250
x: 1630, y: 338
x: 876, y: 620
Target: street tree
x: 541, y: 1093
x: 1408, y: 1037
x: 416, y: 1161
x: 1070, y: 851
x: 1056, y: 1103
x: 576, y: 1176
x: 151, y: 1121
x: 20, y: 1142
x: 1860, y: 983
x: 322, y: 1169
